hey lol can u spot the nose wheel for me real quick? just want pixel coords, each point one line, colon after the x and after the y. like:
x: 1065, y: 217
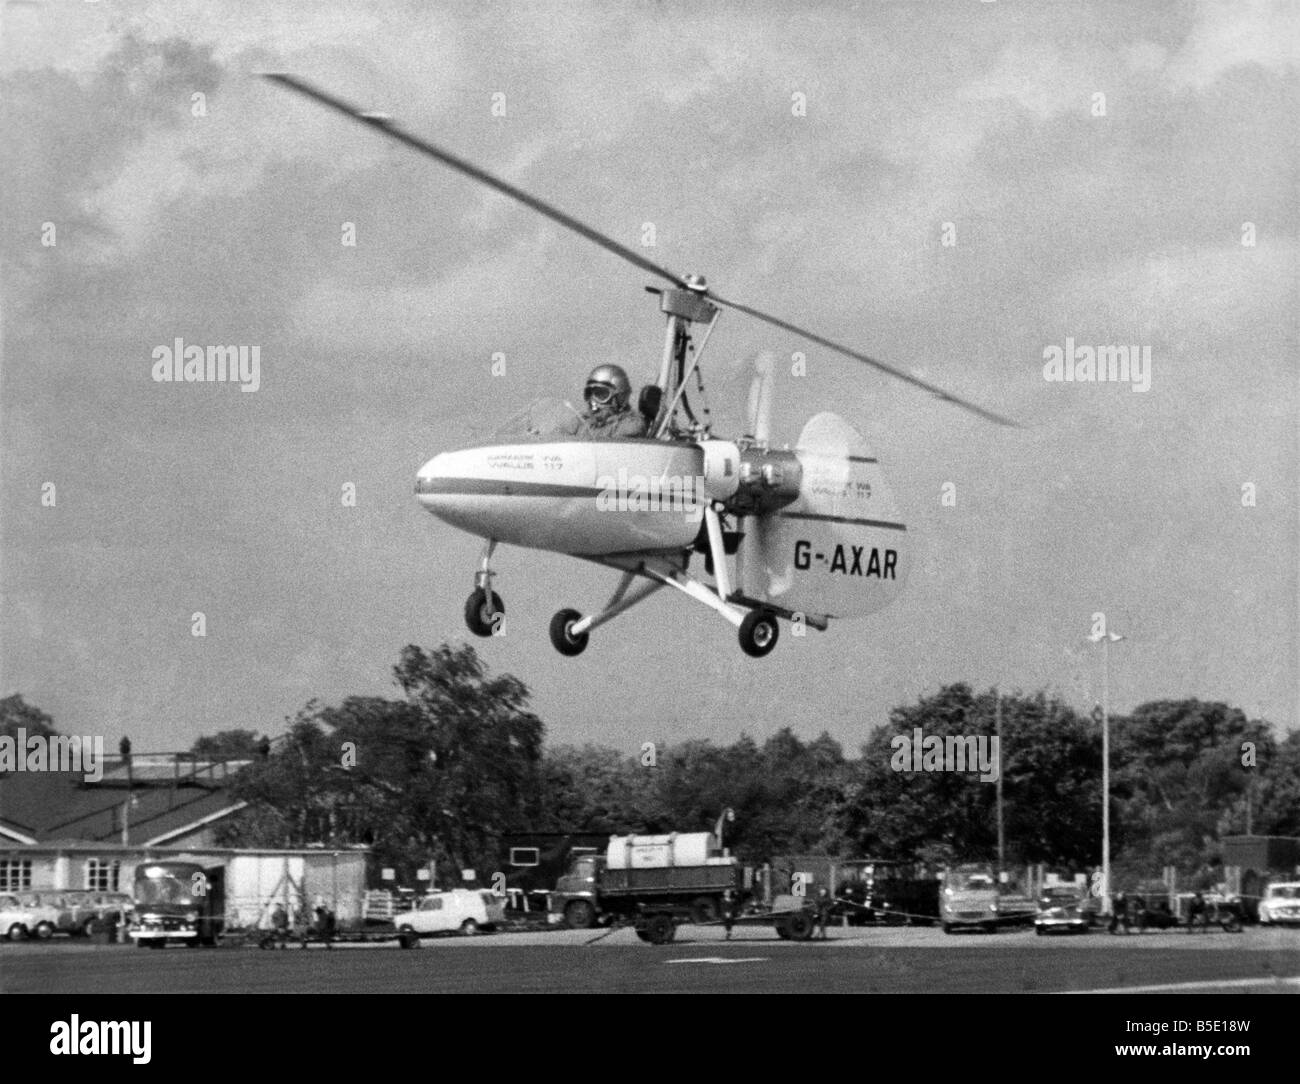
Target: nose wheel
x: 562, y: 635
x: 484, y: 612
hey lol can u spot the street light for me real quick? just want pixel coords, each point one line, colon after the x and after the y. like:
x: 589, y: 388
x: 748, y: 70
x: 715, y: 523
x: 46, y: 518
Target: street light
x: 1105, y: 639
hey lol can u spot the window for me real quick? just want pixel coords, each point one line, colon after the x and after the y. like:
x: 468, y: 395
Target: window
x: 101, y: 874
x: 524, y: 856
x: 432, y: 903
x: 15, y: 873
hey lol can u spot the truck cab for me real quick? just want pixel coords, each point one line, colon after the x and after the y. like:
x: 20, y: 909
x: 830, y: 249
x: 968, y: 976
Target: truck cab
x: 574, y: 901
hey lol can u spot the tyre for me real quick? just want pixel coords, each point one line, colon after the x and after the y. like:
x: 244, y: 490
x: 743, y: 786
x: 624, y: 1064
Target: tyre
x: 580, y: 915
x: 705, y: 909
x: 1040, y: 931
x: 469, y: 928
x: 947, y: 927
x: 408, y: 938
x: 782, y: 930
x: 801, y: 926
x: 758, y: 633
x: 44, y: 931
x: 660, y: 929
x: 482, y: 619
x: 17, y: 932
x: 643, y: 933
x: 565, y: 642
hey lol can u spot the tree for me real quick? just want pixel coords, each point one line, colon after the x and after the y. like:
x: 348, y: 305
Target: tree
x: 1051, y: 789
x: 1180, y: 783
x: 1279, y: 790
x: 439, y: 774
x: 597, y: 789
x: 227, y: 745
x: 16, y: 713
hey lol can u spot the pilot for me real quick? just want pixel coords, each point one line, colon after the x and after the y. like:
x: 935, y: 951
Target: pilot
x: 609, y: 412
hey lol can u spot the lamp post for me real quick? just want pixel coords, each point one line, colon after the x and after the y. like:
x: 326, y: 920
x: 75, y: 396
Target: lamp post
x: 1105, y: 639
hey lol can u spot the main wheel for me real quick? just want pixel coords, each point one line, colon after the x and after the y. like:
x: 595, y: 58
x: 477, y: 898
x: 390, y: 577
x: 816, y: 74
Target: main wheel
x: 947, y: 927
x: 758, y: 633
x: 483, y: 619
x: 580, y: 915
x: 44, y: 931
x: 566, y: 643
x: 800, y: 925
x: 17, y: 932
x: 660, y: 929
x: 469, y: 927
x: 704, y: 909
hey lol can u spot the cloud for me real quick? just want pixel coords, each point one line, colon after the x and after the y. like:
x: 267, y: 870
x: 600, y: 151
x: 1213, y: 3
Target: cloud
x: 1234, y: 33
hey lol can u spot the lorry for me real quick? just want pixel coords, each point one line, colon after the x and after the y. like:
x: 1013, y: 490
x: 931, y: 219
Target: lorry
x: 656, y: 882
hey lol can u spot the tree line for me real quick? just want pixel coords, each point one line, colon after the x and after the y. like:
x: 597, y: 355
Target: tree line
x: 455, y: 762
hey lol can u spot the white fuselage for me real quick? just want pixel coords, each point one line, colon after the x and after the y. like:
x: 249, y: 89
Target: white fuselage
x: 578, y: 496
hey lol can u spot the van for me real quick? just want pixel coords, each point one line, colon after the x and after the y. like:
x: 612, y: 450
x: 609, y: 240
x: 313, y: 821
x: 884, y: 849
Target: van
x: 461, y: 910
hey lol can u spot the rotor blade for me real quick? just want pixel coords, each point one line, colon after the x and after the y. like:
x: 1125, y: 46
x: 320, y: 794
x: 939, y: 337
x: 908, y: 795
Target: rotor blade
x: 383, y: 124
x: 820, y: 341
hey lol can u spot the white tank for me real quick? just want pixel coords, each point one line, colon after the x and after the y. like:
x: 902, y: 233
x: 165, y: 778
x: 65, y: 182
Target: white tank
x: 661, y: 852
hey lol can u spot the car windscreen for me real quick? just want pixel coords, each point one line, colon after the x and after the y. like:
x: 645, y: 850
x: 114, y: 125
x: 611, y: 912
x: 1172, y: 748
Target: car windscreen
x: 158, y: 890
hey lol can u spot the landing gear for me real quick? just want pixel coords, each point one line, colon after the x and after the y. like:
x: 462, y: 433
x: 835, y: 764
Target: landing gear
x: 484, y: 611
x: 758, y: 633
x: 562, y: 635
x: 484, y: 615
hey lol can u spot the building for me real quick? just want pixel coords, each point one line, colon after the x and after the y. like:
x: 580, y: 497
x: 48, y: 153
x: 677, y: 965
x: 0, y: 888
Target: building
x: 1250, y: 862
x: 59, y: 830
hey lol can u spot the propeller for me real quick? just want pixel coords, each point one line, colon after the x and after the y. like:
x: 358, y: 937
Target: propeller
x: 385, y: 125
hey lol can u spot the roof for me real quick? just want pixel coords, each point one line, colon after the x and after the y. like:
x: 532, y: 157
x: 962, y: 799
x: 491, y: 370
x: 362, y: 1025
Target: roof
x: 168, y: 796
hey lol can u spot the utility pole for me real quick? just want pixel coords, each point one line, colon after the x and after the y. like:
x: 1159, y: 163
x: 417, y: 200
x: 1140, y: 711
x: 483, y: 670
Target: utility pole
x: 997, y: 716
x: 1105, y: 637
x: 124, y: 747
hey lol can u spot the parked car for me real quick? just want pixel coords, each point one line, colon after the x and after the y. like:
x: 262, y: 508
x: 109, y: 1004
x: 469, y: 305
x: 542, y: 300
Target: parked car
x: 460, y: 910
x: 1281, y: 904
x: 84, y: 908
x: 969, y: 898
x: 13, y: 918
x: 1061, y: 908
x: 28, y: 914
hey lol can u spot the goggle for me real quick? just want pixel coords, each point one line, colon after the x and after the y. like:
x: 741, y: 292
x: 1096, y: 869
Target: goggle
x: 598, y: 393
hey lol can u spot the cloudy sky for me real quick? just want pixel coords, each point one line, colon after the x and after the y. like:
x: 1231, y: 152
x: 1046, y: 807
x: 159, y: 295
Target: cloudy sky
x: 1113, y: 173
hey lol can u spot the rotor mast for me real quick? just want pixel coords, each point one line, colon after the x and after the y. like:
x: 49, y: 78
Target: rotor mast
x: 683, y: 307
